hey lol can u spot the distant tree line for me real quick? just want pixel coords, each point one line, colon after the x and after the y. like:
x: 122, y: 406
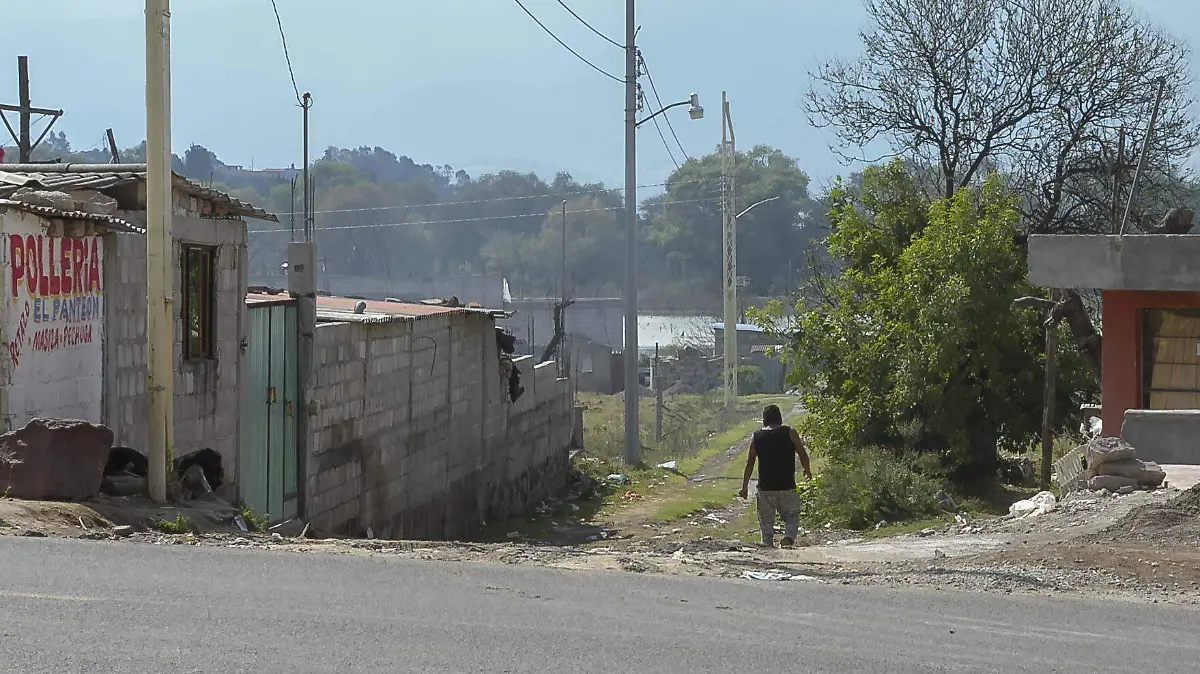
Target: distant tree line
x: 384, y: 215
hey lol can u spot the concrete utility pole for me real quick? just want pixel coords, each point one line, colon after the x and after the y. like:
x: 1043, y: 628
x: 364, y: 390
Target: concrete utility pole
x: 633, y: 388
x: 160, y: 338
x: 729, y: 249
x: 25, y: 112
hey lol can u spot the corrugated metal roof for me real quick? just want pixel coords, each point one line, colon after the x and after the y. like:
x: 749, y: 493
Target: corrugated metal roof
x: 347, y: 304
x: 110, y: 221
x: 100, y: 177
x: 254, y: 298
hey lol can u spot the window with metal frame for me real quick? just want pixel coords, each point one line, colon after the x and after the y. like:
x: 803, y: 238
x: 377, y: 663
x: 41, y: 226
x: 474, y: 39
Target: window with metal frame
x: 1170, y: 359
x: 199, y: 302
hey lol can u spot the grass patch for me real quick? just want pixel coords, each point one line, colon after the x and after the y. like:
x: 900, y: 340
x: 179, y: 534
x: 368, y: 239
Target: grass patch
x: 254, y: 523
x: 690, y: 422
x: 179, y: 525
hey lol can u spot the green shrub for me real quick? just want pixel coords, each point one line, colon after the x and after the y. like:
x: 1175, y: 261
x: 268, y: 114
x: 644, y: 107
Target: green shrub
x: 860, y: 487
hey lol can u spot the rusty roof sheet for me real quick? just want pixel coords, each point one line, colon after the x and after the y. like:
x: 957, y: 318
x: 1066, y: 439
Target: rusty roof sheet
x: 99, y: 177
x: 346, y: 305
x: 109, y: 221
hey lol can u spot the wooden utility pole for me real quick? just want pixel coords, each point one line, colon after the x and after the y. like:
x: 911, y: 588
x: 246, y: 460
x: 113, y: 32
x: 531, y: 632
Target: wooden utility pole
x: 23, y: 84
x: 1048, y: 392
x: 112, y: 147
x: 25, y: 111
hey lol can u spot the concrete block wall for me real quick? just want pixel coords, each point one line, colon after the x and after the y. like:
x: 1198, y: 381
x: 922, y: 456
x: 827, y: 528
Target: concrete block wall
x: 414, y: 436
x: 207, y: 392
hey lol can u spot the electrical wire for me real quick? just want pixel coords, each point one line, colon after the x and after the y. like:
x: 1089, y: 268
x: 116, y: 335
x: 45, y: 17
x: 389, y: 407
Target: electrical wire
x: 564, y: 44
x: 661, y: 137
x: 287, y: 56
x: 654, y: 90
x: 589, y: 26
x: 490, y: 201
x: 480, y: 219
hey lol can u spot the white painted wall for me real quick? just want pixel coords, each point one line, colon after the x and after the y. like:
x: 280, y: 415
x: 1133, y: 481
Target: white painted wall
x: 52, y: 319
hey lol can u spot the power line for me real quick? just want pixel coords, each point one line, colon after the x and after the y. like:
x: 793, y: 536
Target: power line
x: 286, y: 55
x: 463, y: 220
x: 654, y: 90
x: 564, y: 44
x: 589, y: 26
x: 641, y: 96
x: 489, y: 201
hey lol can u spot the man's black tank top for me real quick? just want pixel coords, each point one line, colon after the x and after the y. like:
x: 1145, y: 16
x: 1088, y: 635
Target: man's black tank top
x: 776, y: 459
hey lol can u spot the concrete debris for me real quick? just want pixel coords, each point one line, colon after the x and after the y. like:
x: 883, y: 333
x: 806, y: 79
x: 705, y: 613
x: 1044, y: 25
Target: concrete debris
x: 1112, y: 465
x: 1107, y: 450
x: 122, y: 531
x: 1044, y: 502
x: 54, y: 460
x: 1113, y: 483
x: 771, y: 575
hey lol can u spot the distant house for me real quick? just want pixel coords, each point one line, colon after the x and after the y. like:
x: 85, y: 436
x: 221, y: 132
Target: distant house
x: 758, y: 348
x: 75, y: 267
x: 1150, y: 288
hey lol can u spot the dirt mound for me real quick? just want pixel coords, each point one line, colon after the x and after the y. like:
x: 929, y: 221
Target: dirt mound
x: 1176, y: 522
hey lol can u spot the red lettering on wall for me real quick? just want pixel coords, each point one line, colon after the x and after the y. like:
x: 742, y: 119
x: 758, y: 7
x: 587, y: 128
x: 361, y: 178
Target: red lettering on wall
x: 14, y: 347
x: 94, y: 267
x: 52, y: 339
x: 16, y: 257
x: 77, y: 253
x: 53, y: 267
x: 31, y: 263
x: 43, y: 267
x: 54, y: 270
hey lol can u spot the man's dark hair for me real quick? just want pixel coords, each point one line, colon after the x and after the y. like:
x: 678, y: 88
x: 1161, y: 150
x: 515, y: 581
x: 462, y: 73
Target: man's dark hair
x: 772, y: 416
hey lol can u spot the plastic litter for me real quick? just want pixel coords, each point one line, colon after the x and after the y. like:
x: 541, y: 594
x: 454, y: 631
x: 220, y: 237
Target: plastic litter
x: 1044, y: 502
x: 669, y: 465
x: 617, y: 478
x: 773, y: 576
x: 241, y: 523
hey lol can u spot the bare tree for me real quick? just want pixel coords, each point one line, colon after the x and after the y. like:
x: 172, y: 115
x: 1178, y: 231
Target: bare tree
x: 1037, y: 90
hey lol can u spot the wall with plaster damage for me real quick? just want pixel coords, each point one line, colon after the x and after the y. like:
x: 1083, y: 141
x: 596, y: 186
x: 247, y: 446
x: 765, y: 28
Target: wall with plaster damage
x: 52, y: 319
x: 413, y: 434
x: 207, y: 392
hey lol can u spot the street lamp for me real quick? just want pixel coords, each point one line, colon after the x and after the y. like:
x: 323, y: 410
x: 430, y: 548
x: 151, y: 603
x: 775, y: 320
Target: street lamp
x: 633, y: 443
x: 695, y: 111
x: 754, y: 206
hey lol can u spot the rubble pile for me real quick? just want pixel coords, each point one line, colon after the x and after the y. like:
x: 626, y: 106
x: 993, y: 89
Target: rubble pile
x: 1111, y: 464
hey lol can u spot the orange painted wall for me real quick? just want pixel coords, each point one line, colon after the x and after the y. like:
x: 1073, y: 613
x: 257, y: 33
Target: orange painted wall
x: 1121, y: 385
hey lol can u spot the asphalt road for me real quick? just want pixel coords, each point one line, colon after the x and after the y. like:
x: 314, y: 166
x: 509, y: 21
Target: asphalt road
x: 78, y: 606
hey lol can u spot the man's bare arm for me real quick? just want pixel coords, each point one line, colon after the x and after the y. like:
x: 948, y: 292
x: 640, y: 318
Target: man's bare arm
x: 751, y: 455
x: 801, y: 452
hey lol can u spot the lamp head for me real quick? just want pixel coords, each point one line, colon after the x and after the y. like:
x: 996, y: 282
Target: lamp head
x: 696, y: 110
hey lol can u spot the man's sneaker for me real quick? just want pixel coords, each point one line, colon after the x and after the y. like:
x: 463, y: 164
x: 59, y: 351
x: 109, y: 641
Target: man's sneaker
x: 786, y: 543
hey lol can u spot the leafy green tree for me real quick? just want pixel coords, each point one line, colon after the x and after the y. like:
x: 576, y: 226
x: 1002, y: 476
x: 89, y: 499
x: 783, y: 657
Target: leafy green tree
x: 919, y: 346
x: 685, y: 222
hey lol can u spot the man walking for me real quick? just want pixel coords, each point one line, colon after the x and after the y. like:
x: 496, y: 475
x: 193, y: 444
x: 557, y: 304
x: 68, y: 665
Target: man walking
x: 776, y: 447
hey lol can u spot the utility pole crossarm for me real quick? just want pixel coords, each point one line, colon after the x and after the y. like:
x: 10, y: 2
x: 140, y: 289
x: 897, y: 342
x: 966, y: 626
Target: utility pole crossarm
x: 33, y: 111
x: 25, y: 112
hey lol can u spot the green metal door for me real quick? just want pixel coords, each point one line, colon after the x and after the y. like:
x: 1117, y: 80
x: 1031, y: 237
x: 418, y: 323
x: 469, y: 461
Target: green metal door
x: 269, y: 483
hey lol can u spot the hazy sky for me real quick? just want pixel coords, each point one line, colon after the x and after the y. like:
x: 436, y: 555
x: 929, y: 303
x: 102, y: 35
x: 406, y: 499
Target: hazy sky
x: 470, y: 83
